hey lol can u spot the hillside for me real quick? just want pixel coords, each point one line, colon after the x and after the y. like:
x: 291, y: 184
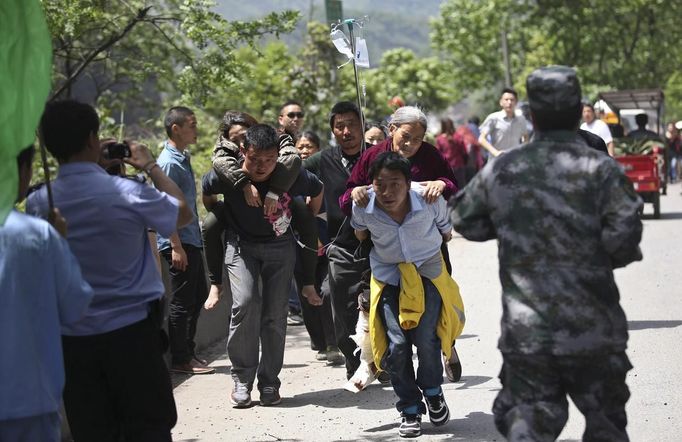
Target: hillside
x: 396, y: 23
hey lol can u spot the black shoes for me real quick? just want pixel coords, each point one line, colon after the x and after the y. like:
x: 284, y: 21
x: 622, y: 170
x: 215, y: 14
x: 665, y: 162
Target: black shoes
x: 270, y: 396
x: 411, y: 425
x: 439, y: 414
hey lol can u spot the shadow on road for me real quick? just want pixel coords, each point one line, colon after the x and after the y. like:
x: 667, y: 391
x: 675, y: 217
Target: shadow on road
x: 375, y: 397
x: 643, y: 325
x: 664, y: 216
x: 472, y: 381
x: 475, y: 427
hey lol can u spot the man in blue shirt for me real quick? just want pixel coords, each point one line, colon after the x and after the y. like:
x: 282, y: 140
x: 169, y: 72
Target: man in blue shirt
x: 183, y: 250
x: 407, y: 234
x: 33, y: 311
x: 117, y: 383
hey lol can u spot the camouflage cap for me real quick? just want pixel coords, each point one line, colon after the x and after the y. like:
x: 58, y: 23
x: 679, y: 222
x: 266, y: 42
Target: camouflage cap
x: 553, y: 88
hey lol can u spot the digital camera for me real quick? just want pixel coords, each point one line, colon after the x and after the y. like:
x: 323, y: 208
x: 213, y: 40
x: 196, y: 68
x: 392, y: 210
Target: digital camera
x: 117, y: 151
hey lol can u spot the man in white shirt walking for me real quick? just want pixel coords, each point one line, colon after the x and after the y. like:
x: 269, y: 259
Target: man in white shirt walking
x: 593, y: 124
x: 506, y: 129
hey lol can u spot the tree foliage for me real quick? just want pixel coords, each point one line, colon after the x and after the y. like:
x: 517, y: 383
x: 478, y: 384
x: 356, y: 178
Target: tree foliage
x: 129, y: 49
x: 619, y: 44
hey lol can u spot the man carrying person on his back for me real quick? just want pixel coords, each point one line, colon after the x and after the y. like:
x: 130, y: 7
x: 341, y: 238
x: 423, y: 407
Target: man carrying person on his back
x: 259, y: 247
x: 413, y: 300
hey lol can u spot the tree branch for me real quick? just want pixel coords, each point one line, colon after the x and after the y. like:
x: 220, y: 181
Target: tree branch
x: 141, y: 15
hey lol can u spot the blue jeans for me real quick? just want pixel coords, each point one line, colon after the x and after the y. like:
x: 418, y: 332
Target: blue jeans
x: 397, y: 361
x: 259, y: 314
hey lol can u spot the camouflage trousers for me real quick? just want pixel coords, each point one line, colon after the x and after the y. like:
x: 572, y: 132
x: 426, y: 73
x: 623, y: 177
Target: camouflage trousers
x: 532, y: 404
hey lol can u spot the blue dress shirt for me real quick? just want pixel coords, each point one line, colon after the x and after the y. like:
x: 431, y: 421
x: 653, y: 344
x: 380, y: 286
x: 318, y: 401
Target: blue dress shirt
x: 178, y: 168
x: 41, y: 289
x: 416, y: 240
x: 108, y: 217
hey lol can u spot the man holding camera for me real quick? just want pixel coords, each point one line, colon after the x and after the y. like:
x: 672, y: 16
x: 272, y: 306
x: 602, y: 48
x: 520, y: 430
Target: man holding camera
x: 117, y: 384
x: 183, y: 250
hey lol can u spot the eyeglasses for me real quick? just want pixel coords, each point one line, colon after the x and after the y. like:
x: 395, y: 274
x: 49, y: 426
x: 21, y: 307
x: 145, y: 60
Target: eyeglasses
x: 293, y: 115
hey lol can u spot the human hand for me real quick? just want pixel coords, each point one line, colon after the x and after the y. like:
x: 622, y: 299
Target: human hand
x: 360, y: 196
x: 58, y: 222
x: 105, y: 162
x: 270, y: 205
x: 310, y: 294
x: 432, y: 190
x: 140, y: 156
x: 447, y: 236
x: 213, y: 297
x: 252, y: 196
x: 179, y: 258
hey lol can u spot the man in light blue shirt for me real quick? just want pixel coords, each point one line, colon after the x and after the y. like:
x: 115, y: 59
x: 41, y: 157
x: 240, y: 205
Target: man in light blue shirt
x: 116, y: 380
x: 183, y: 250
x: 41, y: 291
x: 405, y: 229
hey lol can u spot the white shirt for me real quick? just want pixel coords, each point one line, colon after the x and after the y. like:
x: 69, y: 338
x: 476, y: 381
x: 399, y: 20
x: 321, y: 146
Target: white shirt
x: 598, y: 127
x: 505, y: 132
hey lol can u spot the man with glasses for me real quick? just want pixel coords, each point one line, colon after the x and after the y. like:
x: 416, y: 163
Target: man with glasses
x: 291, y: 118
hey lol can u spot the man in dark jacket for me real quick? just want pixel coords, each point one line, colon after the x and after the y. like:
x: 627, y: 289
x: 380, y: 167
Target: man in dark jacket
x: 345, y: 267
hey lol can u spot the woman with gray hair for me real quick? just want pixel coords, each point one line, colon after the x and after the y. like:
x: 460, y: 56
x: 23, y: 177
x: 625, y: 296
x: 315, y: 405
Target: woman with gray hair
x: 428, y: 167
x: 407, y: 128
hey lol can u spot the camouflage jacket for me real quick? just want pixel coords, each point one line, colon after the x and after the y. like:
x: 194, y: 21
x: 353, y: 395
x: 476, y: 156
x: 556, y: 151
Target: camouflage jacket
x: 564, y: 216
x: 227, y: 163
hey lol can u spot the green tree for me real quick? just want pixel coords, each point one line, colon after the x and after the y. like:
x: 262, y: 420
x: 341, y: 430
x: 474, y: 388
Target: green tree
x: 620, y: 44
x: 134, y: 48
x: 424, y: 82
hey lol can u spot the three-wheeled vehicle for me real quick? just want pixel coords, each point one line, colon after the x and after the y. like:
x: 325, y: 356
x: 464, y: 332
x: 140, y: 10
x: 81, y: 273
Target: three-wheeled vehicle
x: 644, y: 160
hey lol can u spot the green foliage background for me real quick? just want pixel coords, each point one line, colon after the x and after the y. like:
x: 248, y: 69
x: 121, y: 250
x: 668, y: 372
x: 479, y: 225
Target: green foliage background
x: 139, y: 57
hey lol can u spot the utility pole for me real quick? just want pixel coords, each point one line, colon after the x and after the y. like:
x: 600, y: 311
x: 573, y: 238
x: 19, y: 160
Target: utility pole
x: 505, y: 54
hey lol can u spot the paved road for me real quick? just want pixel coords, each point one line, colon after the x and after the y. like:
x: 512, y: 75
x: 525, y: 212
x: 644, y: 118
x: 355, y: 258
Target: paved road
x: 315, y: 408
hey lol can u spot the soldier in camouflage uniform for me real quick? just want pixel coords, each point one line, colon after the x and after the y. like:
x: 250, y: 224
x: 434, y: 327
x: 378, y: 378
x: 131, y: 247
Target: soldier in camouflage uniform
x: 564, y: 216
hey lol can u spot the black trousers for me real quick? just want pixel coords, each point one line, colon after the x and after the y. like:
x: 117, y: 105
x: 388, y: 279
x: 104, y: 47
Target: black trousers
x: 318, y: 320
x: 188, y: 294
x: 345, y: 273
x: 118, y: 387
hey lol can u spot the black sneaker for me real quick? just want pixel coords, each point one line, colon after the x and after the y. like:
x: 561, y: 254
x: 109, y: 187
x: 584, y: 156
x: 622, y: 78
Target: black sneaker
x: 270, y: 396
x: 438, y: 409
x: 241, y: 395
x: 411, y: 425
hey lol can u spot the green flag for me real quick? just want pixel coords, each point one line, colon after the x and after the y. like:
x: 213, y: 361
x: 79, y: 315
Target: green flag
x: 25, y: 69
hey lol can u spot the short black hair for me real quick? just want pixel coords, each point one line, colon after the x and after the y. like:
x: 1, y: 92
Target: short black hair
x: 565, y: 119
x: 585, y: 104
x: 176, y: 115
x: 290, y: 103
x: 509, y: 90
x: 343, y: 107
x: 233, y: 117
x: 25, y: 157
x: 310, y: 135
x: 65, y: 127
x: 641, y: 120
x: 261, y: 137
x: 390, y: 161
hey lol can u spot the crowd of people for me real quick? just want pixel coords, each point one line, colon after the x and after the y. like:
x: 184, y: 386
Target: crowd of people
x: 353, y: 237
